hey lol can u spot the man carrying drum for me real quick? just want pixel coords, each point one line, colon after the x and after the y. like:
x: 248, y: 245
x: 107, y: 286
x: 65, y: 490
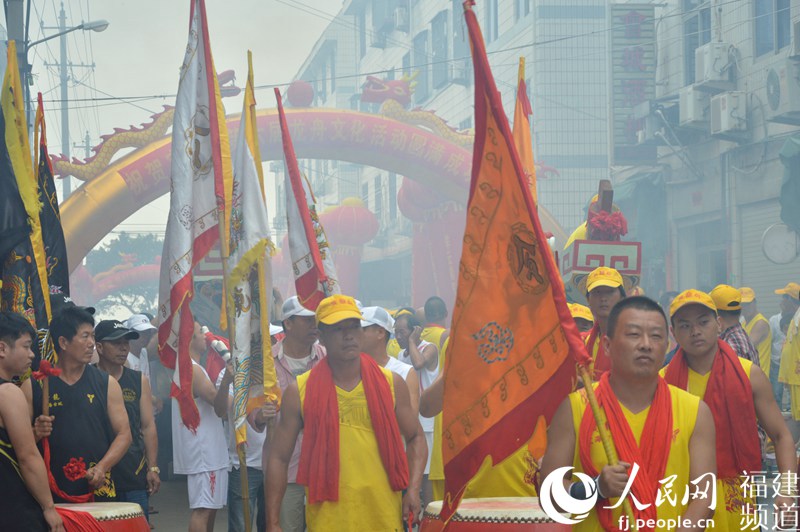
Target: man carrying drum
x: 26, y: 504
x: 659, y: 431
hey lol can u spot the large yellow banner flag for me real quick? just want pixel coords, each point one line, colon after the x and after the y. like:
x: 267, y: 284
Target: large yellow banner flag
x: 513, y: 346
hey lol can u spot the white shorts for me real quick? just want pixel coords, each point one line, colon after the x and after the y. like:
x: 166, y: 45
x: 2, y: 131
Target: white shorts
x: 208, y: 489
x: 429, y: 439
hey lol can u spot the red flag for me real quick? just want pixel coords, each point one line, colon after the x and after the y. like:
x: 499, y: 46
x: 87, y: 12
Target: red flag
x: 200, y: 175
x: 312, y: 276
x: 513, y: 340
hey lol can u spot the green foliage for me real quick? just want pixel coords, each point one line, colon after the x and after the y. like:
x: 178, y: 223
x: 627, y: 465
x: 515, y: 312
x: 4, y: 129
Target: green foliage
x: 132, y: 249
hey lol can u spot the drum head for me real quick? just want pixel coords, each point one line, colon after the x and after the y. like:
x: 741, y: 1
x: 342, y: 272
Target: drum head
x: 107, y: 511
x: 494, y: 510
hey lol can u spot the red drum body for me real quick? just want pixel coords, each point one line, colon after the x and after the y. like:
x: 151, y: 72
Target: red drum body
x: 113, y: 516
x: 504, y: 514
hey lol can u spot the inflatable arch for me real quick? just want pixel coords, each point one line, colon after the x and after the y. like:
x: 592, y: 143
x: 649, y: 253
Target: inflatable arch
x: 430, y: 158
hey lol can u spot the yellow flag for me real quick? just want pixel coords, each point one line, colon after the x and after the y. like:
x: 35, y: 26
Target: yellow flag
x: 522, y: 130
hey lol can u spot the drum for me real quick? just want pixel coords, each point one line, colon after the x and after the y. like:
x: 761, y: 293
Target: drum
x: 506, y: 514
x: 113, y: 516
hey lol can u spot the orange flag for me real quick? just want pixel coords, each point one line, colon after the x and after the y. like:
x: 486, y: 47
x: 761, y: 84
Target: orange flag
x: 513, y: 340
x: 522, y: 130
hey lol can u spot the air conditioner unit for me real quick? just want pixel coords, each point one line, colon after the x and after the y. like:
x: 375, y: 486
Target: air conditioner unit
x: 401, y: 18
x: 652, y: 132
x: 711, y: 67
x: 783, y: 92
x: 729, y: 115
x: 693, y: 107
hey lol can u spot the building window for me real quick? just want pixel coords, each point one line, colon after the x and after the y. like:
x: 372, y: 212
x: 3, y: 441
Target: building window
x: 365, y: 195
x: 491, y: 21
x: 362, y: 33
x: 772, y: 25
x: 421, y: 65
x: 439, y: 49
x: 462, y: 63
x: 522, y: 8
x: 333, y: 71
x: 696, y: 32
x: 392, y: 196
x: 407, y: 64
x: 377, y: 208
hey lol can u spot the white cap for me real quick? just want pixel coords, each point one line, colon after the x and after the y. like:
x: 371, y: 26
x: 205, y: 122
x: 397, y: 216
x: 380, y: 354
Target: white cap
x: 377, y: 316
x: 292, y: 307
x: 139, y: 322
x: 275, y: 329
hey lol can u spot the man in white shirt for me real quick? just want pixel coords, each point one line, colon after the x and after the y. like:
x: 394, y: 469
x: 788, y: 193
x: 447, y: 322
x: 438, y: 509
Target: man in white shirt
x: 201, y: 455
x: 223, y: 406
x: 378, y: 326
x: 138, y: 356
x: 296, y: 353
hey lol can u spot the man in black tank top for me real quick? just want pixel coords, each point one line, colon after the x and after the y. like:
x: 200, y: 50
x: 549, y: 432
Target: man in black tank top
x: 87, y: 426
x: 136, y: 476
x: 26, y: 503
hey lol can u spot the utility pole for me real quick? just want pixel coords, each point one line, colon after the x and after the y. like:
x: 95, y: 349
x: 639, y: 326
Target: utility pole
x: 15, y: 18
x: 86, y: 146
x: 62, y: 26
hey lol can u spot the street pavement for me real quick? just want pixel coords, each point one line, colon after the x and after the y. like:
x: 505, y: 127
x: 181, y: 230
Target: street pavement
x: 172, y: 504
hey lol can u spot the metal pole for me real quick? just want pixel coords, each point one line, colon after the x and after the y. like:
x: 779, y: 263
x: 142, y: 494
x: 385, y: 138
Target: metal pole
x: 65, y: 147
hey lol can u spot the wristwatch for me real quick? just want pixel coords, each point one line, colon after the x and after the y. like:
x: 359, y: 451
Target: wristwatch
x: 155, y: 469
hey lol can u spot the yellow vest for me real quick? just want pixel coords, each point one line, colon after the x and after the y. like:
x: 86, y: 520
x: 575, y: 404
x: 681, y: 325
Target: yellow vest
x: 433, y: 335
x: 437, y: 462
x: 366, y: 500
x: 765, y: 346
x: 731, y: 500
x: 393, y: 348
x: 684, y: 416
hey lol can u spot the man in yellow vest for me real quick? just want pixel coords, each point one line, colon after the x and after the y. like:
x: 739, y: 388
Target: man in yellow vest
x: 740, y: 398
x: 356, y: 418
x: 659, y: 431
x: 435, y: 330
x: 604, y: 288
x: 757, y: 328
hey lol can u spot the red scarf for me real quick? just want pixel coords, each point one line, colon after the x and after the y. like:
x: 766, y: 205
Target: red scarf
x: 602, y: 362
x: 729, y: 395
x: 319, y: 454
x: 77, y: 521
x: 651, y: 454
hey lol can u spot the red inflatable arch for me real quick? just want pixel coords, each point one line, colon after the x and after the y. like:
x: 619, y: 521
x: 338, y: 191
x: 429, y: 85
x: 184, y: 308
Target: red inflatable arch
x: 138, y: 178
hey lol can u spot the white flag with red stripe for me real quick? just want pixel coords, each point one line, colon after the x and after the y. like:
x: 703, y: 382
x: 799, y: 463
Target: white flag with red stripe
x: 201, y: 166
x: 312, y: 260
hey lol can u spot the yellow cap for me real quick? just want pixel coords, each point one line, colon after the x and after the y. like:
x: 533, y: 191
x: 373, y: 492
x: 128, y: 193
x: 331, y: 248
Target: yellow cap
x: 603, y: 276
x: 580, y: 311
x: 726, y: 297
x: 337, y: 308
x: 748, y: 294
x: 791, y: 290
x: 691, y: 297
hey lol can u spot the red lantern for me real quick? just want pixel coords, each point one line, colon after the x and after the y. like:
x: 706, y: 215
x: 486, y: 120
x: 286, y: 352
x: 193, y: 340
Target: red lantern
x: 300, y: 93
x: 349, y: 224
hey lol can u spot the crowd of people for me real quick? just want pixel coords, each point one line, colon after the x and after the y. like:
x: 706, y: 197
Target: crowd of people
x: 692, y: 385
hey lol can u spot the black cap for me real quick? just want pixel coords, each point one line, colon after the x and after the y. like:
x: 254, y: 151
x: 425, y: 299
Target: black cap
x: 59, y: 302
x: 110, y: 330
